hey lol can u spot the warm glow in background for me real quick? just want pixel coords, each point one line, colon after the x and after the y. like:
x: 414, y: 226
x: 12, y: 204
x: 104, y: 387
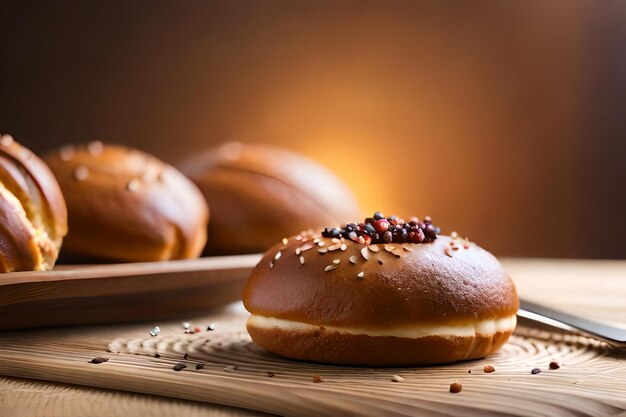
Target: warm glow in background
x: 505, y: 121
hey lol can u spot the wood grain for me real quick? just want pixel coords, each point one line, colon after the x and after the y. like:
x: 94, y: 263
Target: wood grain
x: 121, y: 292
x: 589, y: 382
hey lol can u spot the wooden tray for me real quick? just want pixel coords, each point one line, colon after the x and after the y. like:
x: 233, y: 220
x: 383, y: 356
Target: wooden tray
x: 121, y: 292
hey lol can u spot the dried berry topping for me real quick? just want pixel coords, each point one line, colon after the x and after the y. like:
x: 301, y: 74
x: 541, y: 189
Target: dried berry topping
x: 554, y: 365
x: 380, y: 229
x: 455, y: 387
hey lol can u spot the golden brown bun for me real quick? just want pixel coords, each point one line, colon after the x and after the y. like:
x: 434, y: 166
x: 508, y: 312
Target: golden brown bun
x: 33, y: 216
x: 426, y: 284
x: 260, y: 194
x: 126, y: 205
x: 349, y: 349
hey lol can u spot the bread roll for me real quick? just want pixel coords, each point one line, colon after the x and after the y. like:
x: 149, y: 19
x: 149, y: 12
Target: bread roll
x: 33, y: 216
x: 126, y: 205
x: 339, y: 300
x: 259, y: 194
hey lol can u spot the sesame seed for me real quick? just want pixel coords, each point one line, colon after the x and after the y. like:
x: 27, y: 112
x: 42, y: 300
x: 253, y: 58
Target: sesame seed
x: 365, y: 253
x: 380, y: 262
x: 186, y: 325
x: 353, y: 259
x: 81, y: 173
x: 454, y: 235
x: 343, y: 247
x: 132, y: 185
x: 330, y: 268
x: 397, y: 378
x: 285, y: 241
x: 277, y: 256
x: 322, y: 251
x: 535, y: 371
x: 390, y: 248
x: 406, y: 248
x: 306, y: 247
x: 66, y: 152
x: 335, y: 240
x: 336, y: 261
x: 211, y: 327
x: 334, y: 247
x: 360, y: 275
x: 7, y: 140
x: 230, y: 368
x: 299, y: 237
x: 302, y: 260
x: 95, y: 148
x: 155, y: 331
x: 321, y: 243
x: 317, y: 240
x: 271, y: 265
x: 374, y: 249
x: 298, y: 250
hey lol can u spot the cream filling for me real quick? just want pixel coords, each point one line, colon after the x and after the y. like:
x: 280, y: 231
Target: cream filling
x: 483, y: 327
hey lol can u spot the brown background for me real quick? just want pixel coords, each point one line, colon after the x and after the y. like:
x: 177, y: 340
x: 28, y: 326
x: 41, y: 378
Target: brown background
x: 503, y: 120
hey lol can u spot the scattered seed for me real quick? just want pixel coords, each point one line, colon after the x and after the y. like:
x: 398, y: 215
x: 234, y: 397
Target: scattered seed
x: 489, y: 369
x: 406, y: 248
x: 321, y: 243
x: 365, y: 253
x: 199, y: 365
x: 317, y: 378
x: 335, y: 240
x: 360, y: 275
x: 133, y: 185
x: 330, y: 268
x: 66, y: 152
x: 373, y: 248
x: 390, y: 248
x: 334, y: 247
x: 322, y: 251
x: 277, y: 256
x: 535, y: 371
x: 186, y: 325
x: 99, y: 359
x: 211, y: 327
x: 179, y: 366
x: 302, y: 260
x: 285, y: 241
x: 397, y: 378
x: 155, y: 331
x: 271, y: 265
x: 271, y: 374
x: 343, y: 247
x: 454, y: 235
x: 336, y: 261
x: 554, y: 365
x: 455, y: 387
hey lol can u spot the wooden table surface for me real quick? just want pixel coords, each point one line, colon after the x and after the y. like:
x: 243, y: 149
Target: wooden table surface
x: 595, y: 289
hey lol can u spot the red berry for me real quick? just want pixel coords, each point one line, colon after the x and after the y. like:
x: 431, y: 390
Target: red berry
x: 196, y: 329
x: 381, y: 225
x: 368, y: 239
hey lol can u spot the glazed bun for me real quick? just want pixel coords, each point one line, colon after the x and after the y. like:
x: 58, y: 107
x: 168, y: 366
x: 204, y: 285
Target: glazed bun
x: 33, y: 216
x: 125, y: 205
x: 268, y: 192
x: 342, y: 301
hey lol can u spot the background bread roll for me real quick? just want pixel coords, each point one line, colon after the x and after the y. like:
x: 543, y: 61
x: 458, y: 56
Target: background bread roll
x: 33, y: 216
x: 126, y: 205
x: 259, y: 194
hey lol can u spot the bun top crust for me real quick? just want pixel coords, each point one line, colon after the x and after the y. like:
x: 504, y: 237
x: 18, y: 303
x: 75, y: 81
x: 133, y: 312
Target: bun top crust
x: 416, y: 283
x: 126, y: 205
x: 268, y: 191
x: 34, y: 219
